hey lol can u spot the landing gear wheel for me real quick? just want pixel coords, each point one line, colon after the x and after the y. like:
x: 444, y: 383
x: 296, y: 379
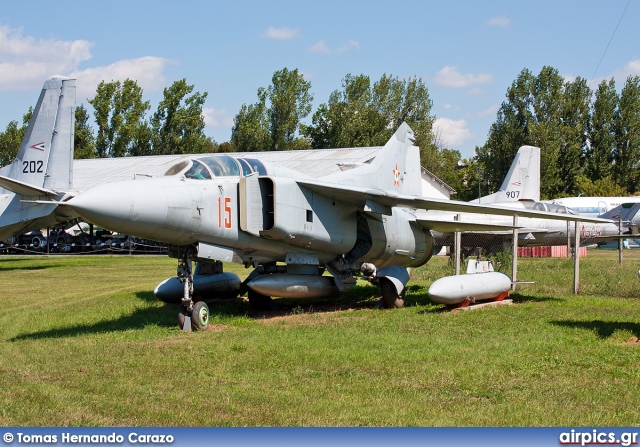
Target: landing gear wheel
x: 182, y: 315
x: 200, y: 316
x: 259, y: 301
x: 390, y: 297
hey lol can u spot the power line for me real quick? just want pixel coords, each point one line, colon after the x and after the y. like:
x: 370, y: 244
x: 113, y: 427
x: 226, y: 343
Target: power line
x: 605, y: 50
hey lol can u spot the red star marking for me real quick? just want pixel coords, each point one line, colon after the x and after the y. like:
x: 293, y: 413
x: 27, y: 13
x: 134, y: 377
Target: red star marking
x: 396, y: 175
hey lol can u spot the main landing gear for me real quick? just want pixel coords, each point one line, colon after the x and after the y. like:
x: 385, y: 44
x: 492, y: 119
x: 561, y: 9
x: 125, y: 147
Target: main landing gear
x: 191, y: 316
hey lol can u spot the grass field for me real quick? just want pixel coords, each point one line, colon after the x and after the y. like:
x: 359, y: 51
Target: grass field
x: 85, y: 343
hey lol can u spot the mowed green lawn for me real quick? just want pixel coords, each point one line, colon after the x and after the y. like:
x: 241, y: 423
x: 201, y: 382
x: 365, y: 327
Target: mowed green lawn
x: 83, y: 342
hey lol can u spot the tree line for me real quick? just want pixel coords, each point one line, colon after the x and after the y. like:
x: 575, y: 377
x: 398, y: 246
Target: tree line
x: 589, y: 140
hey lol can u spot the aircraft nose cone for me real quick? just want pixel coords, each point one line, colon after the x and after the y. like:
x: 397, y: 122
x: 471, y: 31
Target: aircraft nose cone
x: 157, y: 209
x: 109, y: 206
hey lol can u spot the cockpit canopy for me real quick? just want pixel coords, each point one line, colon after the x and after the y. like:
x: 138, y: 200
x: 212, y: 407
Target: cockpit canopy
x: 548, y: 207
x: 217, y: 166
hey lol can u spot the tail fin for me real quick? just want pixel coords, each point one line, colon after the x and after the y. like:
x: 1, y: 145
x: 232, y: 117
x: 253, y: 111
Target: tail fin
x: 395, y: 168
x: 522, y: 181
x: 42, y: 168
x: 627, y: 212
x: 45, y: 158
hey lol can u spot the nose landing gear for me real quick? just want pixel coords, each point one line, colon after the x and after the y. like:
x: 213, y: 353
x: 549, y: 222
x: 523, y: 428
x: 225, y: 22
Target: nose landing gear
x: 191, y: 316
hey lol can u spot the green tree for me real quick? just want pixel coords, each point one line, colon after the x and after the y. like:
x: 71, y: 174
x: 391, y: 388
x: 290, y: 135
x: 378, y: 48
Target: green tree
x: 10, y: 143
x: 405, y: 101
x: 508, y: 132
x: 603, y: 187
x: 290, y: 104
x: 11, y: 138
x: 250, y: 132
x: 544, y: 111
x: 575, y: 116
x: 602, y: 136
x: 119, y: 113
x: 274, y: 122
x: 626, y: 154
x: 367, y: 115
x: 83, y: 142
x: 178, y: 125
x: 348, y: 119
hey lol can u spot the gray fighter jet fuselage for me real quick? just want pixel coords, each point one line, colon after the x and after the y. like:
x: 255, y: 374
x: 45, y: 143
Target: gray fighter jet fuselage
x: 291, y: 228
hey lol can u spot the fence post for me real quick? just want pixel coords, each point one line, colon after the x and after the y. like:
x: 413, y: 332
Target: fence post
x: 576, y: 260
x: 514, y: 255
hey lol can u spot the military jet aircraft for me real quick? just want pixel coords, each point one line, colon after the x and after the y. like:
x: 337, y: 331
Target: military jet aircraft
x: 522, y: 182
x: 290, y: 228
x: 41, y: 173
x: 594, y: 206
x: 521, y: 189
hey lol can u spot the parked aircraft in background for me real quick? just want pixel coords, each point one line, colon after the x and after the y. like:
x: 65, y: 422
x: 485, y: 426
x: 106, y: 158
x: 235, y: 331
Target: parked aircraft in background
x: 518, y: 189
x: 359, y: 222
x: 538, y: 232
x: 522, y: 181
x: 42, y: 168
x: 594, y: 206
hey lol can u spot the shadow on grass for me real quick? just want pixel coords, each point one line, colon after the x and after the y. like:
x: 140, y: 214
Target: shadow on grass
x: 353, y: 299
x: 160, y: 316
x: 603, y: 329
x: 519, y: 298
x: 434, y: 308
x: 165, y: 316
x: 26, y: 267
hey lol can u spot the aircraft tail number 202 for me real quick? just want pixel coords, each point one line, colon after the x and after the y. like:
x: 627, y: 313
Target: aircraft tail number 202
x: 32, y: 167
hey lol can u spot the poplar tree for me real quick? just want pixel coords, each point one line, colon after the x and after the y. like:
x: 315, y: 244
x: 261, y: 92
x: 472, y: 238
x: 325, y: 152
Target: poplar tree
x: 274, y: 122
x: 626, y: 155
x: 119, y: 113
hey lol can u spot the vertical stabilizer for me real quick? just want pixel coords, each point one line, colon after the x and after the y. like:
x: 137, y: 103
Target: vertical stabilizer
x: 626, y: 212
x: 395, y: 168
x: 45, y: 157
x: 522, y: 181
x: 42, y: 168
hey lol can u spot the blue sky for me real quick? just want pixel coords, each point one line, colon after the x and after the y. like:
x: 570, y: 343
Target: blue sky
x: 467, y: 53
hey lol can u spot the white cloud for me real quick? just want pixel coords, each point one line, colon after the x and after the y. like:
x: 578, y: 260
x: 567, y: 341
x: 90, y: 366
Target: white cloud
x: 450, y: 77
x: 351, y: 45
x: 319, y: 47
x: 147, y: 71
x: 491, y: 111
x: 27, y: 62
x: 217, y: 118
x: 631, y: 69
x: 284, y: 33
x: 476, y: 91
x: 500, y: 21
x: 452, y: 134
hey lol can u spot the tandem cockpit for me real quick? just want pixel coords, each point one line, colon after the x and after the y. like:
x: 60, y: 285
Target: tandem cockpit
x: 548, y: 207
x: 207, y: 168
